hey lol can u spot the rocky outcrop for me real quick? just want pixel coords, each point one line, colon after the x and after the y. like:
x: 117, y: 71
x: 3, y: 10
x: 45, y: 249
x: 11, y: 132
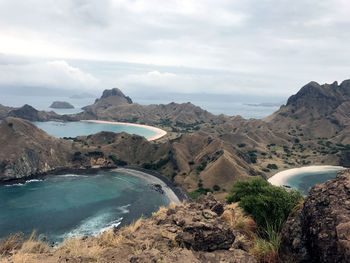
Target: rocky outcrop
x: 61, y: 105
x: 115, y: 92
x: 320, y: 231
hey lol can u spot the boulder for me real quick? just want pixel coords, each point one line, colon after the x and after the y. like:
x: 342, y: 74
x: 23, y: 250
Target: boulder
x: 320, y: 231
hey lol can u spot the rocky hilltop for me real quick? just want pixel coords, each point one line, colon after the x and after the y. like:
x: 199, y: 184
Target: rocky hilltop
x: 320, y: 110
x: 61, y: 105
x: 320, y: 231
x: 115, y: 106
x: 27, y: 112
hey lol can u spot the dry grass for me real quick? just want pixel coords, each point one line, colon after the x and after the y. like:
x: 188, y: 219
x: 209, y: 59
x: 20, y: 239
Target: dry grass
x: 298, y: 207
x: 77, y: 247
x: 12, y: 243
x: 32, y: 245
x: 22, y: 250
x: 235, y: 217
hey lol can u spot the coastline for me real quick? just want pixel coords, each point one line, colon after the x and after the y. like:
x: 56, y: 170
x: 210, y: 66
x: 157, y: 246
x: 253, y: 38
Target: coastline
x: 280, y: 178
x: 175, y: 193
x: 159, y: 132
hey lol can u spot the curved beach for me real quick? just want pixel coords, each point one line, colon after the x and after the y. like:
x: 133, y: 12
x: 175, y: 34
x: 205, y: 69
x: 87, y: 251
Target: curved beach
x: 159, y: 132
x: 152, y: 179
x: 281, y: 178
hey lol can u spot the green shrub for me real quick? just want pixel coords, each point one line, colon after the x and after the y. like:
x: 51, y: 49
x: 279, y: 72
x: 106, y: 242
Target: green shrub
x: 268, y: 205
x: 202, y: 166
x: 200, y: 191
x: 216, y: 188
x: 117, y: 161
x: 241, y: 145
x: 272, y: 166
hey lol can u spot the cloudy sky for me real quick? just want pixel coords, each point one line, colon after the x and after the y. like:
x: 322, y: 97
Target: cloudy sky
x: 261, y: 47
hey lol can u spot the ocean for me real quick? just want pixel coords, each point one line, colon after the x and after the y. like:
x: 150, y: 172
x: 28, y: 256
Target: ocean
x: 74, y: 129
x: 76, y: 205
x: 247, y: 107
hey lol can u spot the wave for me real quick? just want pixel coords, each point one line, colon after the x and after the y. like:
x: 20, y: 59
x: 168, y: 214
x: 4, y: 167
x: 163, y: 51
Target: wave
x: 21, y: 184
x: 98, y: 223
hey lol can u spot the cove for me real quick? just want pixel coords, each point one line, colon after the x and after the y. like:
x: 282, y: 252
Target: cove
x: 77, y: 128
x: 303, y: 178
x: 71, y: 205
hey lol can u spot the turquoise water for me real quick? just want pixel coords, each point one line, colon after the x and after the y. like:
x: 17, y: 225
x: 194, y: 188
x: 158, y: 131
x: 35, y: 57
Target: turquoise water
x: 304, y: 181
x: 77, y: 128
x: 76, y: 205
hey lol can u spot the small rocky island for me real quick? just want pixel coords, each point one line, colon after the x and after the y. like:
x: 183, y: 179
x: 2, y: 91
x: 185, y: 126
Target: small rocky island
x: 61, y: 105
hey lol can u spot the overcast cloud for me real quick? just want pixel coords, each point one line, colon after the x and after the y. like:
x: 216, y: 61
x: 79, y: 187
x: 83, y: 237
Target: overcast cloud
x: 222, y: 46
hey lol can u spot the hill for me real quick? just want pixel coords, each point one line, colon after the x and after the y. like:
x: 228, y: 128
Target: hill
x: 115, y: 106
x: 27, y: 150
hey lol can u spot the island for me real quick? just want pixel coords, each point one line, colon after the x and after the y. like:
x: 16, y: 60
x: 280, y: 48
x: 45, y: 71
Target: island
x: 61, y: 105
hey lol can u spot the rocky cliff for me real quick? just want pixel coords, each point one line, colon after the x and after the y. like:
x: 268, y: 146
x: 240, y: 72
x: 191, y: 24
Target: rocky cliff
x: 27, y: 150
x: 320, y: 231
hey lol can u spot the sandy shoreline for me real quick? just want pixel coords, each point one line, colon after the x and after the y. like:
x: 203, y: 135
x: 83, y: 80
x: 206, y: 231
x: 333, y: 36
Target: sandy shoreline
x: 281, y: 178
x: 152, y: 180
x: 160, y: 132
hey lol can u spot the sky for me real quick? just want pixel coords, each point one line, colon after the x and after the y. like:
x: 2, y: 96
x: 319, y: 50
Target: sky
x: 251, y: 47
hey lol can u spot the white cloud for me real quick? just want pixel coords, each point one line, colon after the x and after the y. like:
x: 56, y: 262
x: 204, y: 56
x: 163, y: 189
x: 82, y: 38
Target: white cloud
x: 255, y: 44
x: 51, y: 74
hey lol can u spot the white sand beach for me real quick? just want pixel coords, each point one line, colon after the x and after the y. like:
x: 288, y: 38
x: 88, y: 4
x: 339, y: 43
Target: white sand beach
x: 152, y: 180
x: 160, y: 132
x: 281, y: 178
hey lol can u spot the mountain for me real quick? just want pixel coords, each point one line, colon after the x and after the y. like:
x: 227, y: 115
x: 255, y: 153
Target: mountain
x: 319, y: 110
x: 115, y: 106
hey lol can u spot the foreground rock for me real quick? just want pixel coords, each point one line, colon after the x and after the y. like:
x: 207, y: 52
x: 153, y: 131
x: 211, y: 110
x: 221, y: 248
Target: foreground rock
x: 61, y: 105
x: 204, y: 231
x: 320, y: 231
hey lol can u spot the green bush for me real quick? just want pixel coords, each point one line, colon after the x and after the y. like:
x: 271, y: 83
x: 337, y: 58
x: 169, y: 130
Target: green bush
x: 117, y: 161
x: 268, y: 205
x: 200, y: 191
x: 216, y: 188
x: 272, y: 166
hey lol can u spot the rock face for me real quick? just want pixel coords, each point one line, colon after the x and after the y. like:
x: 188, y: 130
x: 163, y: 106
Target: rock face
x: 61, y: 105
x: 320, y: 232
x: 27, y: 150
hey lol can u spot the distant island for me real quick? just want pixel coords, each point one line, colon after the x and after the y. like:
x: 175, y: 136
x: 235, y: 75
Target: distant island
x: 61, y: 105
